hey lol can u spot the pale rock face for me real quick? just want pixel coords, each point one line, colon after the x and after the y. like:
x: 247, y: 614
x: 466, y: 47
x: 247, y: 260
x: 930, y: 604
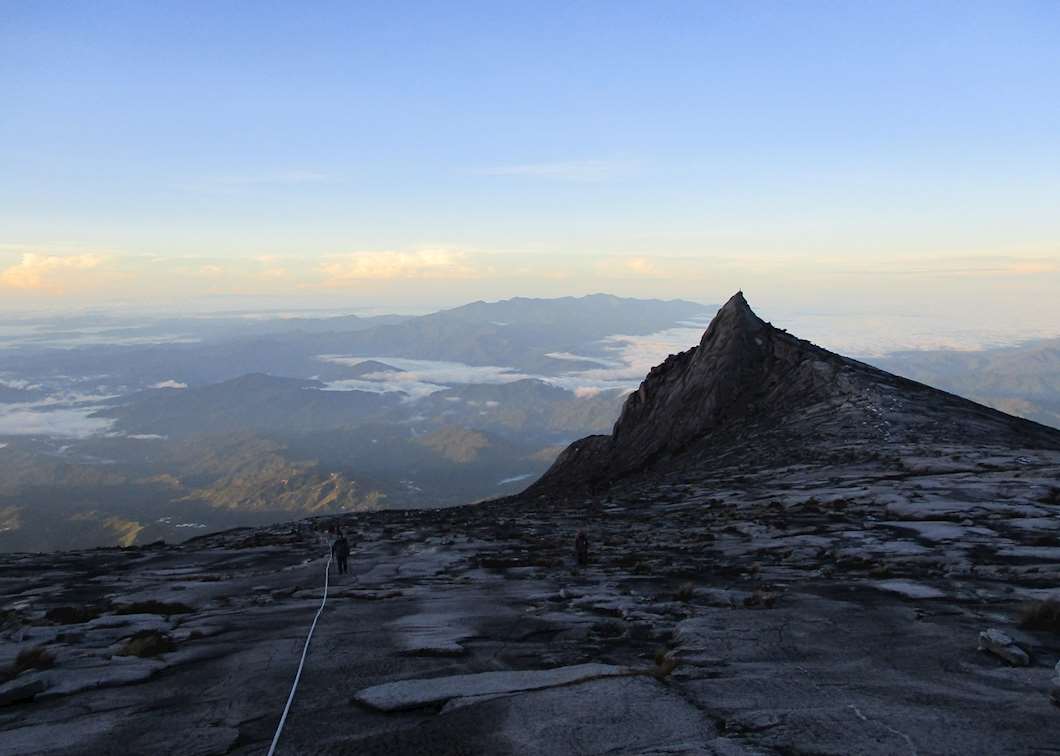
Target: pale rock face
x: 411, y: 694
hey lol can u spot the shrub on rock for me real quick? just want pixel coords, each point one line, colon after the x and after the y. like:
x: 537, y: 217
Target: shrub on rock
x: 685, y: 592
x: 164, y: 608
x: 71, y: 615
x: 37, y: 657
x: 1041, y: 615
x: 147, y: 643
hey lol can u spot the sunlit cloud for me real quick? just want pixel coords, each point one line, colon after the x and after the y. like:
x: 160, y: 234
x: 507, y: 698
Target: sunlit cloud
x: 425, y: 263
x: 1000, y: 266
x: 248, y: 180
x: 48, y: 274
x: 274, y: 274
x: 633, y: 267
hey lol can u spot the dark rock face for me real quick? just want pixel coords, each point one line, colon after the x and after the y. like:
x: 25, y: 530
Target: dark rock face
x: 747, y: 378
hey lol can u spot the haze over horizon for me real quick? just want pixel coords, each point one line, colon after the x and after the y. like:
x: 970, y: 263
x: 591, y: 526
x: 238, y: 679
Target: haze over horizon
x: 192, y: 157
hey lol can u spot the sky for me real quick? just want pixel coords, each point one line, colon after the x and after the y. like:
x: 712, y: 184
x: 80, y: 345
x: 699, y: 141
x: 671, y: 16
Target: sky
x: 880, y: 158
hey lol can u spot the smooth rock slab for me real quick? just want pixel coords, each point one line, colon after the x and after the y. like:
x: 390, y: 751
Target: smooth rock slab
x: 430, y: 634
x: 95, y: 673
x: 18, y: 690
x: 414, y: 694
x: 909, y: 589
x: 209, y: 740
x: 630, y: 715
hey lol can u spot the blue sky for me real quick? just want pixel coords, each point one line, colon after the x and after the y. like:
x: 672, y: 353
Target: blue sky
x: 436, y: 152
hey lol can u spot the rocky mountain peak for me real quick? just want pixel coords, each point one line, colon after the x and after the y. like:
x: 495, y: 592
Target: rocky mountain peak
x: 735, y: 314
x: 747, y: 378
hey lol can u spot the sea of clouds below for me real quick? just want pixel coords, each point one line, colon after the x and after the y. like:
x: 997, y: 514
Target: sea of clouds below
x: 68, y: 413
x: 63, y: 416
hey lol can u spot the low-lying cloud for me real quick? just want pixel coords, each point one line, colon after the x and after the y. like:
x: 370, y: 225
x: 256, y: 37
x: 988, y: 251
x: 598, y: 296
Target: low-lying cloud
x: 66, y: 422
x: 168, y: 384
x: 64, y: 414
x: 424, y: 377
x: 419, y: 378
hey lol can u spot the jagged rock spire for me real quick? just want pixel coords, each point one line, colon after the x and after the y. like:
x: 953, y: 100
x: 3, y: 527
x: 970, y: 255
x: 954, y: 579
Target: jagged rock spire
x: 747, y: 378
x: 735, y: 371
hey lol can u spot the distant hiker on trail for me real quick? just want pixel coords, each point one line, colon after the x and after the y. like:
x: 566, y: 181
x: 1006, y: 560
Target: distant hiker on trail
x: 581, y: 548
x: 341, y: 551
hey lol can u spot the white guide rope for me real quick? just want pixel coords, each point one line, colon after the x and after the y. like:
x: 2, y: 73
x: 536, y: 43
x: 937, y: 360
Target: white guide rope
x: 305, y: 650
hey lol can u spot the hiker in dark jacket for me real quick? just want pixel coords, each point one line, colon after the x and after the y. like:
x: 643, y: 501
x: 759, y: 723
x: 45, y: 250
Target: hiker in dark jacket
x: 341, y: 551
x: 581, y: 548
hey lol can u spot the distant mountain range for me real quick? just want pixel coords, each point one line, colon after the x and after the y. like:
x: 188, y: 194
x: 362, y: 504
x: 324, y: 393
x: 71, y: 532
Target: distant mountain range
x: 515, y: 333
x: 299, y: 416
x: 255, y: 402
x: 268, y: 419
x: 1022, y: 380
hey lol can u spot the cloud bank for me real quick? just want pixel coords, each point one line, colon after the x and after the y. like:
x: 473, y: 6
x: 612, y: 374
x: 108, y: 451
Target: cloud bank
x: 389, y: 265
x: 46, y: 273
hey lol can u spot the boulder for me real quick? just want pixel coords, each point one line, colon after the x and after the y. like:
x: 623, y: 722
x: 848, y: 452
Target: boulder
x: 413, y: 694
x: 1002, y: 646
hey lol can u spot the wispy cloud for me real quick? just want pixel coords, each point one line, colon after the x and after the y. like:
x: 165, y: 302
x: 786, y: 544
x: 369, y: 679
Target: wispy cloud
x: 632, y: 267
x: 566, y: 170
x: 264, y: 179
x: 229, y: 184
x: 274, y: 274
x: 996, y: 266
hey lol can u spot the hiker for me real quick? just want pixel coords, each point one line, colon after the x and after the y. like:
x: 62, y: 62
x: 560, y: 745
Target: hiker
x: 341, y: 551
x: 581, y: 548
